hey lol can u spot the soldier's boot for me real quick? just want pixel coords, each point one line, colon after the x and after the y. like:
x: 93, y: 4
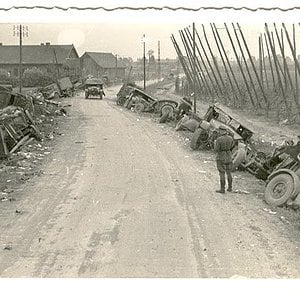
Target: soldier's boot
x: 229, y: 178
x: 222, y: 184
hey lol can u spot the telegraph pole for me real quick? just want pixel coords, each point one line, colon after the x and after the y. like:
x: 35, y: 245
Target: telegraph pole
x: 21, y: 31
x: 20, y: 63
x: 116, y: 68
x: 158, y: 61
x: 194, y: 69
x: 144, y: 59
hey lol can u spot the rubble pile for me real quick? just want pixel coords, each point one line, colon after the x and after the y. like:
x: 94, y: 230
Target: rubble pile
x: 26, y: 126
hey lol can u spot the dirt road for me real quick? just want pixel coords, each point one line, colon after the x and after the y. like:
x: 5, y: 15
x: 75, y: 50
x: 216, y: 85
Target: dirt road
x: 122, y: 196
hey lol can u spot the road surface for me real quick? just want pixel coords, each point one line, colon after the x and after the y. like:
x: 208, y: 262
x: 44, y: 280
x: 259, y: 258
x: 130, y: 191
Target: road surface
x: 122, y: 197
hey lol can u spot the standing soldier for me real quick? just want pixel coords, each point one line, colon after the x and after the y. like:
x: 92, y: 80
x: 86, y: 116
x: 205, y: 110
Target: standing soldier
x: 223, y: 147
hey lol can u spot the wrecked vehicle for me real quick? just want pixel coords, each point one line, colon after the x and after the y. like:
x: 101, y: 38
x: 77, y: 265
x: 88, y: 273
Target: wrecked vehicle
x: 62, y: 88
x: 134, y: 98
x: 283, y: 182
x: 206, y: 128
x: 139, y: 100
x: 17, y: 128
x: 93, y: 87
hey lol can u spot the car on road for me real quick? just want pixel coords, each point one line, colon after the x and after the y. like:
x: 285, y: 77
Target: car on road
x: 94, y: 87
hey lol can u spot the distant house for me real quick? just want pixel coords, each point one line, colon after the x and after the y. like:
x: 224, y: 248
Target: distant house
x: 101, y: 64
x: 60, y: 59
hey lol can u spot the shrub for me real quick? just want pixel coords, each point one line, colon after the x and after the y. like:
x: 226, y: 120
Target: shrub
x: 35, y: 77
x: 4, y: 76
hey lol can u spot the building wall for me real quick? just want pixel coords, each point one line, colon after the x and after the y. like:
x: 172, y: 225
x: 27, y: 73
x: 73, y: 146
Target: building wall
x: 88, y: 67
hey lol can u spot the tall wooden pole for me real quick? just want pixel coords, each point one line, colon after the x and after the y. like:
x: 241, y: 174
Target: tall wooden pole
x: 240, y: 66
x: 296, y: 74
x: 270, y: 62
x: 158, y: 61
x: 194, y: 69
x: 252, y: 64
x: 144, y: 60
x: 263, y: 61
x: 235, y: 99
x: 277, y: 65
x: 228, y: 61
x: 204, y: 70
x: 20, y: 62
x: 199, y: 68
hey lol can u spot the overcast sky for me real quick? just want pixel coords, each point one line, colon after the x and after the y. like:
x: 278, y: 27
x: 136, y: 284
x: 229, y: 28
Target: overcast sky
x: 121, y: 39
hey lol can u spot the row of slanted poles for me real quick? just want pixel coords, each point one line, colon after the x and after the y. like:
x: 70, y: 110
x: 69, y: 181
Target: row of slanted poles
x: 197, y: 82
x: 198, y: 68
x: 285, y: 80
x: 220, y: 45
x: 182, y: 60
x: 228, y: 80
x: 295, y: 70
x: 252, y: 85
x: 287, y: 75
x: 240, y: 67
x: 218, y: 75
x: 278, y: 69
x: 202, y: 69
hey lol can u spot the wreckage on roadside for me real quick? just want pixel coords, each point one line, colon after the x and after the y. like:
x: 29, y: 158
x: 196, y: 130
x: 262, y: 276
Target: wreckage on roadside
x: 17, y: 127
x: 280, y: 169
x: 134, y: 98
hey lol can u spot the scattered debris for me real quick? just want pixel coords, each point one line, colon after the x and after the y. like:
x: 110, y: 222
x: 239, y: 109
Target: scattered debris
x: 268, y: 210
x: 7, y: 247
x: 202, y: 172
x: 241, y: 192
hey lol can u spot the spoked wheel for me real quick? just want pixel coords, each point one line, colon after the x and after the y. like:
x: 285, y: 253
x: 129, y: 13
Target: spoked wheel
x: 279, y: 190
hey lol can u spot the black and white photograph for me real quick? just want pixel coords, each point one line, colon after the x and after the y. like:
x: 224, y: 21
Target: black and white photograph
x: 150, y: 149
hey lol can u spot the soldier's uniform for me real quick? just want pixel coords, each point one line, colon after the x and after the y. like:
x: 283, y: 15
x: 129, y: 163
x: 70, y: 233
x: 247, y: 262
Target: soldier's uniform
x: 223, y: 147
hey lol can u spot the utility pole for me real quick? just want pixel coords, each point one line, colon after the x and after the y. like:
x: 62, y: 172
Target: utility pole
x: 21, y: 31
x: 194, y: 69
x: 158, y: 61
x: 144, y: 58
x: 116, y: 67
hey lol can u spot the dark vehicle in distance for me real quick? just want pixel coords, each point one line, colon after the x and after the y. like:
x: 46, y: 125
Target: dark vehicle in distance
x: 93, y: 87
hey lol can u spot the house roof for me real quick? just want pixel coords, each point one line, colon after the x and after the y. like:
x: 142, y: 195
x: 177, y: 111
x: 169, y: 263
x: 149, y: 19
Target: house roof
x: 105, y: 60
x: 35, y: 54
